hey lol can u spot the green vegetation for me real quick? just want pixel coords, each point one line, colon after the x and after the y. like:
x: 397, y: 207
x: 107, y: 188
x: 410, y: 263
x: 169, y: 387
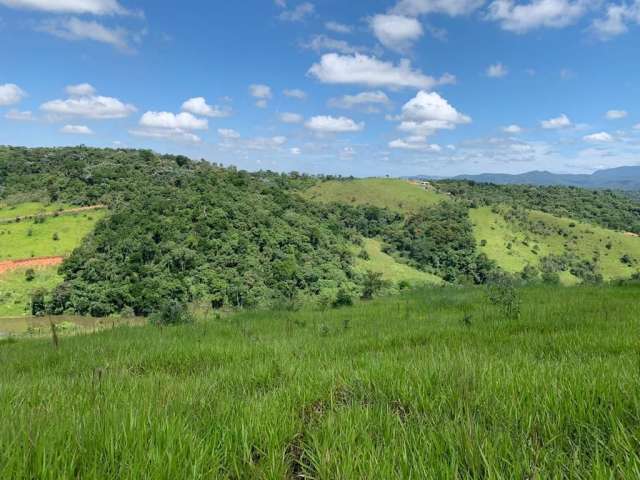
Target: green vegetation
x: 516, y: 238
x: 395, y: 195
x: 28, y: 209
x: 35, y: 237
x: 436, y: 384
x: 392, y: 271
x: 16, y: 289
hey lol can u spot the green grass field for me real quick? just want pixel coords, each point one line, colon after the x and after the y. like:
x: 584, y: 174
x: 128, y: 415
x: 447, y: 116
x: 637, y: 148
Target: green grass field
x: 8, y: 212
x: 394, y: 388
x: 397, y: 195
x: 392, y: 270
x: 586, y: 241
x: 15, y: 290
x: 28, y: 239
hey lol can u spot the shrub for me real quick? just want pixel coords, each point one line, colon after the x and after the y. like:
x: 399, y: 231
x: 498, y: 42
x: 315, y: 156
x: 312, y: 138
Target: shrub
x: 343, y: 298
x: 502, y: 292
x: 172, y: 313
x: 30, y: 274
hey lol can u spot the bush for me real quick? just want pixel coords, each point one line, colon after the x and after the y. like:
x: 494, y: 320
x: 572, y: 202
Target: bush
x: 502, y: 292
x: 172, y: 313
x: 30, y: 275
x: 343, y: 298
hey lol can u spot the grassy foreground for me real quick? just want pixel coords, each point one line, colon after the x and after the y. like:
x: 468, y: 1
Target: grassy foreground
x: 395, y: 388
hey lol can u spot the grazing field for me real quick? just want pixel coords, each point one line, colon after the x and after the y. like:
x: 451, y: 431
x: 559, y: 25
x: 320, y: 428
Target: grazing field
x: 27, y: 209
x: 55, y: 236
x: 392, y: 270
x: 397, y: 195
x: 16, y: 290
x: 434, y: 384
x: 513, y: 245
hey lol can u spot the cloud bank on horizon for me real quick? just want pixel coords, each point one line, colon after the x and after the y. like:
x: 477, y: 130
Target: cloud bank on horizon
x: 403, y: 87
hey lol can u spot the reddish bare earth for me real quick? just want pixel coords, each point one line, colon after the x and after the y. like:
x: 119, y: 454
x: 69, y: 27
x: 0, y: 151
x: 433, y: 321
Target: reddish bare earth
x: 8, y: 265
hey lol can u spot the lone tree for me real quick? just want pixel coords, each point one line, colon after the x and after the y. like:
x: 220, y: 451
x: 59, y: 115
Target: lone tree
x: 372, y: 284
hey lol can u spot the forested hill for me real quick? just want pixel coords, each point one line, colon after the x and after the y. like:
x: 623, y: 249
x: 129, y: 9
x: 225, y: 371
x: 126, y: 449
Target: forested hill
x: 188, y: 231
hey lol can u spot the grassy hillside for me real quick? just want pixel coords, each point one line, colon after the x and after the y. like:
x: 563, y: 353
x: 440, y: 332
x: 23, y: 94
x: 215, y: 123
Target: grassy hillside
x: 392, y: 270
x: 514, y: 244
x: 396, y: 195
x: 11, y: 211
x: 28, y: 238
x: 394, y: 388
x: 16, y: 290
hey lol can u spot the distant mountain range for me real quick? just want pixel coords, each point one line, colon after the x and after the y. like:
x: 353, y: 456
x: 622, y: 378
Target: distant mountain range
x: 621, y: 178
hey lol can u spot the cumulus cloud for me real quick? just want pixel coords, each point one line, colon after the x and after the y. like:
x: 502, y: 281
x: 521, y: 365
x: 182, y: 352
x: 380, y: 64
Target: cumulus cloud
x: 396, y: 32
x: 77, y: 29
x: 295, y: 93
x: 288, y: 117
x: 228, y: 133
x: 323, y: 43
x: 299, y: 13
x: 600, y: 137
x: 448, y: 7
x: 199, y: 106
x: 337, y: 27
x: 512, y: 129
x: 366, y: 100
x: 93, y: 7
x: 20, y: 116
x: 181, y: 121
x: 10, y: 94
x: 521, y: 18
x: 262, y: 93
x: 328, y: 124
x: 557, y: 122
x: 616, y: 20
x: 175, y: 135
x: 616, y: 114
x: 295, y: 151
x: 497, y: 70
x: 89, y: 105
x: 80, y: 90
x: 427, y: 113
x: 364, y: 70
x: 416, y: 142
x: 76, y: 130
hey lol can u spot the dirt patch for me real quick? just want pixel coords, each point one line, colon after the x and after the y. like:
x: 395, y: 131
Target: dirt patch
x: 9, y: 265
x: 631, y: 234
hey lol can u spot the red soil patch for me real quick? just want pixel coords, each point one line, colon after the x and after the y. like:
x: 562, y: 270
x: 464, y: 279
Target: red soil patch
x: 8, y: 265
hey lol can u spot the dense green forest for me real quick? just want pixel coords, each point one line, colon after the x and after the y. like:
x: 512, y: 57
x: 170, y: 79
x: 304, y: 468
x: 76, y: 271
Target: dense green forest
x: 187, y: 231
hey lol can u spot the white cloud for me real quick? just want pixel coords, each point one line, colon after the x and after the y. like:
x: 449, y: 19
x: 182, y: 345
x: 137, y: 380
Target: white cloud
x: 88, y: 106
x: 10, y: 94
x: 521, y: 18
x: 289, y: 117
x: 616, y: 19
x: 416, y: 142
x: 93, y: 7
x: 449, y: 7
x: 497, y: 70
x: 180, y: 121
x: 18, y: 115
x: 199, y: 106
x: 365, y: 70
x: 228, y: 133
x: 299, y: 13
x: 427, y: 113
x: 76, y: 29
x: 337, y: 27
x: 368, y: 100
x: 328, y: 124
x: 396, y: 32
x: 323, y: 43
x: 76, y: 130
x: 513, y: 129
x: 81, y: 90
x: 174, y: 134
x: 558, y: 122
x: 295, y: 93
x: 636, y: 127
x: 295, y: 151
x: 616, y: 114
x: 600, y: 137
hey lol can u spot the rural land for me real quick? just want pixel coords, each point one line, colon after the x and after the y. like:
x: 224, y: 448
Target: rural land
x: 170, y: 318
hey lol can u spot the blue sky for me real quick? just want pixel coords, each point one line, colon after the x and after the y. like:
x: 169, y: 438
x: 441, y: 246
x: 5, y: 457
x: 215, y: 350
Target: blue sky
x: 395, y: 87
